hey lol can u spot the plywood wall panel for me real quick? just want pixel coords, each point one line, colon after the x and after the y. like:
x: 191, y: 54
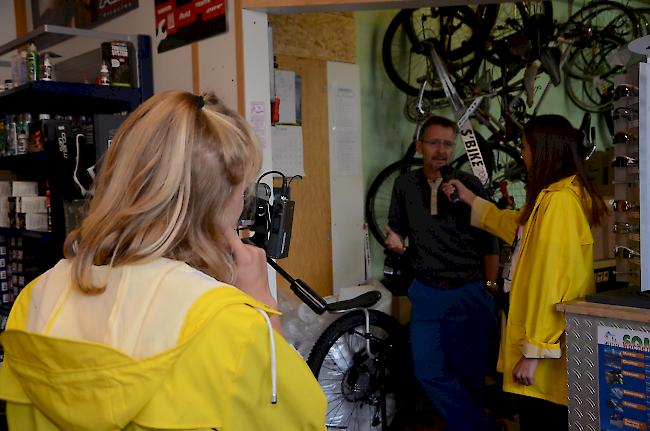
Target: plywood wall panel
x: 324, y: 36
x: 310, y: 254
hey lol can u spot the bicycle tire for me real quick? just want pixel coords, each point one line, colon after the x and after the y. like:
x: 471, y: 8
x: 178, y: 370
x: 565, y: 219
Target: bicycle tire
x: 591, y: 90
x: 380, y: 192
x: 356, y: 386
x: 602, y: 19
x: 513, y: 29
x: 407, y: 68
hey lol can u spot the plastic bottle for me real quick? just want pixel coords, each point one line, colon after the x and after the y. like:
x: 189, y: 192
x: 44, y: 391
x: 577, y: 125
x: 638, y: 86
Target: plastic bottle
x: 22, y: 69
x: 10, y: 126
x: 48, y: 69
x: 104, y: 78
x: 3, y: 137
x: 32, y: 63
x: 22, y: 133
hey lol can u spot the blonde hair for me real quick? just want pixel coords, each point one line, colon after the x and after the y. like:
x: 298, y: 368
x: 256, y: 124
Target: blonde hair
x: 163, y: 184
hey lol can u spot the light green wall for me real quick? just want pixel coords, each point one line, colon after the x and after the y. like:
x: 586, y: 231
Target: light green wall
x: 387, y: 133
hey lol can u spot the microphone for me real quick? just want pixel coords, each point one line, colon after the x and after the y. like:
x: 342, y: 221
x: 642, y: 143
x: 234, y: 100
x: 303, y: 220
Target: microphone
x: 448, y: 174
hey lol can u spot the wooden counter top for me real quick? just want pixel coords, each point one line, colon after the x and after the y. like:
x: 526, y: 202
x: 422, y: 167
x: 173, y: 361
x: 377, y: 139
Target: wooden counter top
x: 583, y: 307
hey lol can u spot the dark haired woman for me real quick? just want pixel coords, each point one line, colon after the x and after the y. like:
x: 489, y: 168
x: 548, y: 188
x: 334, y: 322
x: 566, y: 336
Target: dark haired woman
x: 552, y: 262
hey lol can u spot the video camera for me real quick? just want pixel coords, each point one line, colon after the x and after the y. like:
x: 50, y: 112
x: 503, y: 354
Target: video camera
x: 270, y: 221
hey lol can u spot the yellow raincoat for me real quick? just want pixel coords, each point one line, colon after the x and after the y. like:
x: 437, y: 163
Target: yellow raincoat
x: 214, y: 372
x: 555, y: 264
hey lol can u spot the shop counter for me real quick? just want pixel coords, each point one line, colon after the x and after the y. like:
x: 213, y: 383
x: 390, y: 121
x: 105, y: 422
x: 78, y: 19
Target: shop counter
x: 608, y: 358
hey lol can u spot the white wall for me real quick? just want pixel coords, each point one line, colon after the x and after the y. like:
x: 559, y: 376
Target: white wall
x: 7, y: 32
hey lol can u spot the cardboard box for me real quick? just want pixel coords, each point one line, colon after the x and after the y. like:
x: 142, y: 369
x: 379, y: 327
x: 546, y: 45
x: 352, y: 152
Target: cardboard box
x: 36, y: 221
x: 24, y: 188
x: 31, y: 204
x: 600, y: 171
x: 604, y: 237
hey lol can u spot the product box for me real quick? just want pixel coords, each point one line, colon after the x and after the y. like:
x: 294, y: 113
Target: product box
x: 604, y: 236
x: 118, y: 56
x: 32, y: 204
x: 36, y: 221
x: 5, y: 189
x: 4, y: 212
x: 24, y: 188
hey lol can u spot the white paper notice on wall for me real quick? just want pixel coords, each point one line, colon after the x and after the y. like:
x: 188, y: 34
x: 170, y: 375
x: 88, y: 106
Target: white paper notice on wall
x: 285, y: 90
x: 347, y: 151
x: 287, y: 150
x: 345, y: 108
x: 257, y: 120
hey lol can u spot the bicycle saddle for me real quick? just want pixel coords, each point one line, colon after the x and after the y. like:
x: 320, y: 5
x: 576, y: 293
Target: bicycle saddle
x: 365, y: 300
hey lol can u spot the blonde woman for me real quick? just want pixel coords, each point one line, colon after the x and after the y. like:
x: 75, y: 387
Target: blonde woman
x: 159, y: 317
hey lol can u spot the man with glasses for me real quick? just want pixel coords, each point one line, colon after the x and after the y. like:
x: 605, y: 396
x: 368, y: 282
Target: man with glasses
x: 455, y: 268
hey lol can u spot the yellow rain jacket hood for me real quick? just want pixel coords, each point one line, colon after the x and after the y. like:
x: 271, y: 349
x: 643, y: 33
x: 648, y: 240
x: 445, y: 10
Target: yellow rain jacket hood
x: 555, y: 264
x: 213, y: 369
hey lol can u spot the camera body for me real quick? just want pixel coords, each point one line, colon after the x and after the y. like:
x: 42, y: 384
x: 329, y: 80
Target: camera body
x: 270, y: 222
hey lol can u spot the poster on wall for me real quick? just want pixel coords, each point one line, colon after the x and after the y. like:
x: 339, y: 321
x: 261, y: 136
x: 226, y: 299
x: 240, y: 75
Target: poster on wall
x: 181, y: 22
x: 624, y: 379
x: 78, y: 13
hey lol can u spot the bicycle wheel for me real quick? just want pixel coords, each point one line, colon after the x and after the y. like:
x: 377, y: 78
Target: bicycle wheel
x: 589, y: 77
x: 380, y: 192
x: 503, y: 163
x: 597, y: 21
x: 520, y: 29
x: 458, y: 34
x: 362, y: 391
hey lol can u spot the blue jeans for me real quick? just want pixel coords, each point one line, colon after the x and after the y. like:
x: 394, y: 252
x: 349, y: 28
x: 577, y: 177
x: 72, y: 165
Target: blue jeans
x: 450, y: 330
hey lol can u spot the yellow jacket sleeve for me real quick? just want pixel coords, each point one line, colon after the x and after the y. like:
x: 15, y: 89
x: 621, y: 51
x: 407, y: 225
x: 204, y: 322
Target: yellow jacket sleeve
x: 300, y: 403
x: 501, y: 223
x: 554, y: 270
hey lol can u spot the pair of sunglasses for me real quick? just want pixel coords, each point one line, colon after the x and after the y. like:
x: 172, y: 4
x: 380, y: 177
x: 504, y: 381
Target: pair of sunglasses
x: 624, y: 227
x: 628, y: 114
x: 625, y: 138
x: 624, y: 206
x: 625, y: 162
x: 625, y: 252
x: 625, y: 90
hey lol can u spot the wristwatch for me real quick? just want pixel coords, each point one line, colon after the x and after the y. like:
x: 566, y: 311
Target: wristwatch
x: 492, y: 286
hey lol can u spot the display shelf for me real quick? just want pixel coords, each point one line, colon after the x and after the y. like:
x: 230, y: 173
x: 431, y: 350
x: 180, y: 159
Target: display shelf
x: 69, y: 97
x: 23, y: 162
x: 35, y: 234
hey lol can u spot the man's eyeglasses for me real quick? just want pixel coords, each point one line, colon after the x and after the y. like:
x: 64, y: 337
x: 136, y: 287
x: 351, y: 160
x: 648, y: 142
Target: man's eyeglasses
x: 624, y: 206
x: 627, y: 113
x: 625, y: 252
x: 438, y: 142
x: 624, y: 138
x: 625, y: 162
x: 622, y: 227
x: 625, y: 90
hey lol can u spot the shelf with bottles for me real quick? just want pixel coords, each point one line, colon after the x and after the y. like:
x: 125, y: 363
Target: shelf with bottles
x: 121, y: 64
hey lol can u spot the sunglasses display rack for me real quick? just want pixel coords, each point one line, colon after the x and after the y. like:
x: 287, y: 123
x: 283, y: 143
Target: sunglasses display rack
x: 626, y: 203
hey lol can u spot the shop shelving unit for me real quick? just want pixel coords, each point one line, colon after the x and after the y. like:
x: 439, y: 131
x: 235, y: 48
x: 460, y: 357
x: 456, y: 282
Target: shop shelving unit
x: 65, y: 98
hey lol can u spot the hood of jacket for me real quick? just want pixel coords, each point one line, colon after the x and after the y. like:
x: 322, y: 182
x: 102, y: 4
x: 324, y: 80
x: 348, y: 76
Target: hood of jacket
x: 64, y: 377
x: 101, y: 384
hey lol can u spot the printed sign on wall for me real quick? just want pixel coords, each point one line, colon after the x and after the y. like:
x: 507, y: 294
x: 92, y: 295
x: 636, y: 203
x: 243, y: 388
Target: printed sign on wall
x: 624, y: 379
x: 181, y: 22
